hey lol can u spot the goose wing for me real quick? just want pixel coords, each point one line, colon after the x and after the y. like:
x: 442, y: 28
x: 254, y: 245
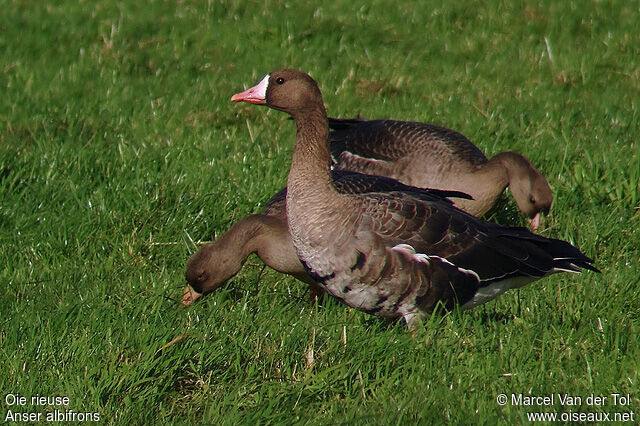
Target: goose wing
x: 493, y: 252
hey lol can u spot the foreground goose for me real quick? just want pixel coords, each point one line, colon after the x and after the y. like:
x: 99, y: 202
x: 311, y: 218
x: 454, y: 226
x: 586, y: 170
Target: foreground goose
x: 267, y: 236
x: 394, y: 253
x: 429, y: 156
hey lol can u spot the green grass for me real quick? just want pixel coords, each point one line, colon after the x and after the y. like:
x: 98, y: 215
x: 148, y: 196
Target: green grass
x: 119, y: 150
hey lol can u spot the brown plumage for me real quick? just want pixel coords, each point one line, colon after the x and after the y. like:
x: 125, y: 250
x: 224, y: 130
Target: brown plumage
x: 397, y: 253
x: 267, y: 236
x: 263, y: 234
x: 429, y: 156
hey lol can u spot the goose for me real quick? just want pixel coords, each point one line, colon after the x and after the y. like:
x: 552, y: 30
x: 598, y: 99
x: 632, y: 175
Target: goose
x: 399, y: 253
x: 266, y: 234
x: 430, y: 156
x: 263, y: 234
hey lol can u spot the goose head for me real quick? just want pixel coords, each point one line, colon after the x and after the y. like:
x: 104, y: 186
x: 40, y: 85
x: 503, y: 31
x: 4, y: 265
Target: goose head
x: 208, y: 269
x: 531, y: 192
x: 288, y: 90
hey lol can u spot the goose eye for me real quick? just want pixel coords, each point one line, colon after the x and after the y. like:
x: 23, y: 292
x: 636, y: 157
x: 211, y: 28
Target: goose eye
x: 280, y: 80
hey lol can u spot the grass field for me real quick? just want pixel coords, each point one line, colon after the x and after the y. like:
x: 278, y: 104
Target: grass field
x: 120, y: 152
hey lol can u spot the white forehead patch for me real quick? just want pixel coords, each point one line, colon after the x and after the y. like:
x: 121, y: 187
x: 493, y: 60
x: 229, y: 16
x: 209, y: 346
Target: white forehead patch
x: 261, y: 88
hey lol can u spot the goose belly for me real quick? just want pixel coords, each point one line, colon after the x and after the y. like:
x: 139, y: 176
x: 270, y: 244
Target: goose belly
x: 367, y: 298
x: 493, y: 290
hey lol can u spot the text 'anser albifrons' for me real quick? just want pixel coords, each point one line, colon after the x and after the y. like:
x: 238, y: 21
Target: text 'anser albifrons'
x: 394, y: 253
x: 429, y: 156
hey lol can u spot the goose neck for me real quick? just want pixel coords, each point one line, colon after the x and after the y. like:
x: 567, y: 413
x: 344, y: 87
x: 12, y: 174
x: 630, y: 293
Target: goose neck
x: 310, y: 163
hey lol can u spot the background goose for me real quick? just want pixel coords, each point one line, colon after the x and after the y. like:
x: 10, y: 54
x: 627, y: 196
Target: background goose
x: 267, y: 236
x: 394, y: 253
x: 429, y: 156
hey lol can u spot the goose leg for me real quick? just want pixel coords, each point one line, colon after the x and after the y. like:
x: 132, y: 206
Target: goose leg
x: 315, y: 293
x: 412, y: 319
